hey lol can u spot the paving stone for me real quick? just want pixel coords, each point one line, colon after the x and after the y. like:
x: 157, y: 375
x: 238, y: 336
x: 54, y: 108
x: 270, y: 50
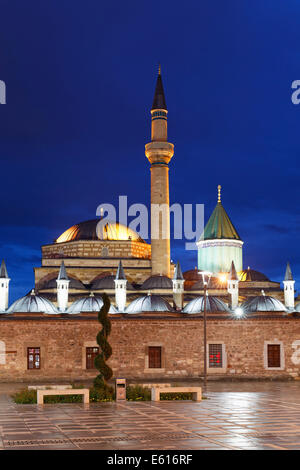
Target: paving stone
x: 246, y: 416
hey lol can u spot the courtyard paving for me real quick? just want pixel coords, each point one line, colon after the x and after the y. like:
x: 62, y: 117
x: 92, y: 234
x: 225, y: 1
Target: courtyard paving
x: 235, y: 416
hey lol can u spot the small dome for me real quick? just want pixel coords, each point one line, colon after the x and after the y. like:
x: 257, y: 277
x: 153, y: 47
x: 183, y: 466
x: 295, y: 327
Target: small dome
x: 192, y: 275
x: 107, y: 282
x: 213, y: 304
x: 32, y: 303
x: 89, y: 304
x: 251, y: 275
x: 149, y: 303
x: 263, y: 303
x: 157, y: 282
x: 50, y: 283
x: 88, y: 231
x: 194, y: 281
x: 297, y: 307
x: 214, y: 283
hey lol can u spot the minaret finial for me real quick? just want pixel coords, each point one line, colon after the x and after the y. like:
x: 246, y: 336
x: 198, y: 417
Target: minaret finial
x: 159, y: 69
x: 219, y: 193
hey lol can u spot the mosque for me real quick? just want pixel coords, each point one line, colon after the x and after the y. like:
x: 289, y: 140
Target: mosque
x: 157, y: 311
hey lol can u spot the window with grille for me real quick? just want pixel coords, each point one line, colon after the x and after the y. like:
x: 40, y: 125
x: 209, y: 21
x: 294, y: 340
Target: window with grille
x: 33, y: 358
x: 215, y: 355
x: 154, y: 354
x: 274, y: 355
x: 91, y: 353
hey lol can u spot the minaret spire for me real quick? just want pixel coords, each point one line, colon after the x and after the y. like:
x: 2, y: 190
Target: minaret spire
x: 159, y: 100
x: 288, y: 273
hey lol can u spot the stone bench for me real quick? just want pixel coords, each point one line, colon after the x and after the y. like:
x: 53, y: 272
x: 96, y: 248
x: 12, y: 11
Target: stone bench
x: 49, y: 387
x: 156, y: 391
x: 74, y: 391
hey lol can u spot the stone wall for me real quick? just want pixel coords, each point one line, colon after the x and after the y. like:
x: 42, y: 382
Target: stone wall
x: 63, y: 341
x: 97, y: 248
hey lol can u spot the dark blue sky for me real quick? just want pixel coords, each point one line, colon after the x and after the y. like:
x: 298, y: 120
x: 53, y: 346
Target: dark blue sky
x: 80, y: 80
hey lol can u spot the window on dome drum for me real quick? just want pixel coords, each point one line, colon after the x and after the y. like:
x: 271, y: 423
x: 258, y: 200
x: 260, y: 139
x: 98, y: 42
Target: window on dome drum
x: 91, y: 353
x: 274, y: 355
x: 154, y: 356
x: 215, y: 355
x: 33, y: 358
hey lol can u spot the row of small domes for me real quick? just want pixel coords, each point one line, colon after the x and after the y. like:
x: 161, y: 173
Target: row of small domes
x: 153, y: 282
x: 146, y: 303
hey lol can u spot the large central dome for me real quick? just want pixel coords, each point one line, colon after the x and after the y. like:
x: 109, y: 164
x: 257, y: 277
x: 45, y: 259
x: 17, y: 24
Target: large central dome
x: 88, y: 231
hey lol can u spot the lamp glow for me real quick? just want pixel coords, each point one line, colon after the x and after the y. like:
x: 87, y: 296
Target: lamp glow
x: 223, y: 278
x: 238, y: 312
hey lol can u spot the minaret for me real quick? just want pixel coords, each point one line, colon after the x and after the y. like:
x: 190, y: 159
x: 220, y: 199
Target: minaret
x: 289, y: 290
x: 4, y: 287
x: 233, y: 286
x: 62, y: 288
x: 120, y: 288
x: 159, y: 153
x: 178, y: 287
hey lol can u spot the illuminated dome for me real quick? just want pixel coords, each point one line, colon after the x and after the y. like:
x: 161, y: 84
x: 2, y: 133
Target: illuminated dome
x: 213, y: 304
x: 194, y: 281
x: 88, y: 231
x: 89, y: 304
x: 251, y: 275
x: 32, y: 303
x: 149, y: 303
x: 263, y: 303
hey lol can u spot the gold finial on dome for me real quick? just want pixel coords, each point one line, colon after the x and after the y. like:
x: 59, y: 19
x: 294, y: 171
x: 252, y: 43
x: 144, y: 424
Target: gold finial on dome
x: 159, y: 69
x: 219, y: 193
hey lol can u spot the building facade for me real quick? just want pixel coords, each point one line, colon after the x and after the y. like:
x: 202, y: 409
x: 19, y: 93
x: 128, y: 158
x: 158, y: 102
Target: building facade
x: 157, y: 312
x: 35, y: 348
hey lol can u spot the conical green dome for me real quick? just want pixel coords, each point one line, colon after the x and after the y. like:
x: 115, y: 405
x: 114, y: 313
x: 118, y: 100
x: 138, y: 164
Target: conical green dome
x: 219, y: 226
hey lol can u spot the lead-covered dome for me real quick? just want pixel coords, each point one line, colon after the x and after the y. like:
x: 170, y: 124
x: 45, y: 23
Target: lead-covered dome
x: 213, y: 304
x: 157, y: 282
x: 32, y: 303
x: 89, y: 304
x: 263, y: 303
x: 89, y: 230
x: 107, y: 282
x: 149, y: 303
x: 49, y: 282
